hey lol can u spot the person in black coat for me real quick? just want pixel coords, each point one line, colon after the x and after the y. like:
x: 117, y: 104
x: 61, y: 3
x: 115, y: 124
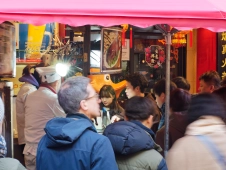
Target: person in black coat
x: 132, y: 140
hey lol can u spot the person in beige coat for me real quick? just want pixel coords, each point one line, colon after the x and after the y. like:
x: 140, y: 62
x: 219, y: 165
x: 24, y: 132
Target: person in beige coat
x: 40, y: 106
x: 30, y: 85
x: 203, y: 146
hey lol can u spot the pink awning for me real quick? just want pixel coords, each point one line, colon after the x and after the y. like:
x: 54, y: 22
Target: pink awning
x: 181, y: 14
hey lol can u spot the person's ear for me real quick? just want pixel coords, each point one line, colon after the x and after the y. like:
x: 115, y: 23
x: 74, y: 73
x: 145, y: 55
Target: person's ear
x: 137, y: 88
x: 162, y: 96
x: 212, y: 88
x: 150, y: 120
x: 83, y: 105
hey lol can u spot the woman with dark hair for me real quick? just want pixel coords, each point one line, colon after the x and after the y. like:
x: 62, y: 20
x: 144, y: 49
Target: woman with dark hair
x: 132, y: 140
x: 111, y: 111
x: 203, y: 146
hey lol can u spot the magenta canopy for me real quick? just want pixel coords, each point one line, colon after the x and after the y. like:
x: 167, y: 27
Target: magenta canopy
x: 181, y: 14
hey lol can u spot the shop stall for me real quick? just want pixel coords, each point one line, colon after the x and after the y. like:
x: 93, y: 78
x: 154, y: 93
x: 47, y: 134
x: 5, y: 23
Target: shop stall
x: 169, y: 16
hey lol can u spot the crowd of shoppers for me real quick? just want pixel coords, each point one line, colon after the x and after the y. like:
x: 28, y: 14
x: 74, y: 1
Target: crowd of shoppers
x: 60, y: 129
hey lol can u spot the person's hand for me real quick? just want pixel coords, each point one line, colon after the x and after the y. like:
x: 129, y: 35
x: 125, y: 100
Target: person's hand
x: 115, y: 119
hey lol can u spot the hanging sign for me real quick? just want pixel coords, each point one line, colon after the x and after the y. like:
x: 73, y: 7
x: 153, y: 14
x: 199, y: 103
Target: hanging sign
x: 221, y: 54
x: 154, y: 56
x: 126, y: 51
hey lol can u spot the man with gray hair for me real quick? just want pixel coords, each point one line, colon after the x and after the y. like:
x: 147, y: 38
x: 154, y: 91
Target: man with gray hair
x: 73, y: 142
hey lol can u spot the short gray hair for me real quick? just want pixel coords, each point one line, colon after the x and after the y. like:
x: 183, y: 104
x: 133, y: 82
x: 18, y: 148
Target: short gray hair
x: 72, y: 92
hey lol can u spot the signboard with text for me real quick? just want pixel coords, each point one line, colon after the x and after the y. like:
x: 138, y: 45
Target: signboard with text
x: 33, y: 41
x: 221, y: 54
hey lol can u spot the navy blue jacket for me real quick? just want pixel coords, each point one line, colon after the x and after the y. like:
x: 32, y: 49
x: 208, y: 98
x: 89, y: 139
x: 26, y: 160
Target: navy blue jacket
x: 72, y: 143
x: 134, y: 146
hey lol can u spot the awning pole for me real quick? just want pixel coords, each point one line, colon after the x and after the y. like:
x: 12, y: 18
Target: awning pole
x: 167, y: 99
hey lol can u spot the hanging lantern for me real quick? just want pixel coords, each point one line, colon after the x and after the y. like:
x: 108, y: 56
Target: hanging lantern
x: 179, y: 38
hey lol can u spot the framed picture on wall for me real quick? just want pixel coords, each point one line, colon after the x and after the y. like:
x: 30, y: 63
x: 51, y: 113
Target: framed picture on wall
x: 7, y: 50
x: 111, y: 50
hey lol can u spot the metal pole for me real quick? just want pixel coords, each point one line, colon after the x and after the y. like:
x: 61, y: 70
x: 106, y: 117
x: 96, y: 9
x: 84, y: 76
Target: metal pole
x: 167, y: 99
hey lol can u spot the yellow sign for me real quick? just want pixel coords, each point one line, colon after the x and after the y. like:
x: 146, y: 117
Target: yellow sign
x: 34, y: 42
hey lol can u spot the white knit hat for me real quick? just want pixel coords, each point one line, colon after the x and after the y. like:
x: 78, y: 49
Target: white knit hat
x: 2, y: 110
x: 48, y: 74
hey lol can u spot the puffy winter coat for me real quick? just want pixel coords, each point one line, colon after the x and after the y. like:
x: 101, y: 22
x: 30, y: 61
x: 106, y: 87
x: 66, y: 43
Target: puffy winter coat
x: 134, y: 147
x: 72, y: 143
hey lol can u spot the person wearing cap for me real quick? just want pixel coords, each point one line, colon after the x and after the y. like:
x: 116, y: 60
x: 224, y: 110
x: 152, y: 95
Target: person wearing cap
x: 72, y: 143
x: 30, y: 85
x: 44, y: 63
x: 40, y: 106
x: 179, y: 103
